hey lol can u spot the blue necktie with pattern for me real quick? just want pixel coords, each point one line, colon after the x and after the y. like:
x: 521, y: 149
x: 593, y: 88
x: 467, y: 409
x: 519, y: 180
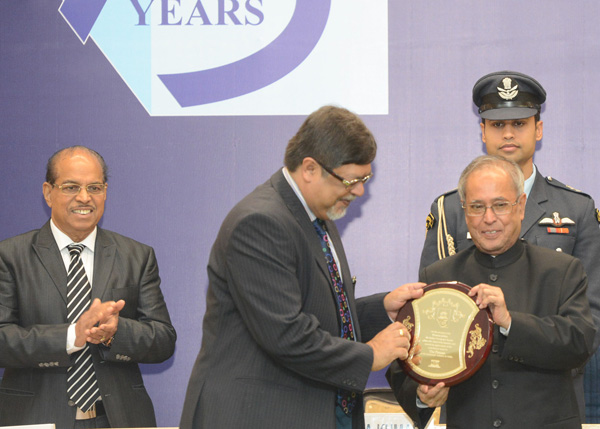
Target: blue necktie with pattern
x: 346, y: 399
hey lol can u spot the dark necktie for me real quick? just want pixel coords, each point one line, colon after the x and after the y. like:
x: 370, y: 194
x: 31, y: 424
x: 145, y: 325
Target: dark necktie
x: 346, y: 399
x: 82, y: 386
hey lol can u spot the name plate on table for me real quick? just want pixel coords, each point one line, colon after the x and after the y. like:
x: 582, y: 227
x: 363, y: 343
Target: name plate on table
x: 454, y: 334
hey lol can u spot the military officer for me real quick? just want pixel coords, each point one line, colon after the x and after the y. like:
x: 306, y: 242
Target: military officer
x: 556, y: 216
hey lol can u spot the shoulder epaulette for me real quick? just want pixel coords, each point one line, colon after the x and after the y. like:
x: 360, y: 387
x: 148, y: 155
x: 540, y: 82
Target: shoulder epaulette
x: 558, y: 184
x: 431, y: 220
x: 445, y: 194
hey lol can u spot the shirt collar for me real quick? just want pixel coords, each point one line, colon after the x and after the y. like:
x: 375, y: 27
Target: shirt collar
x: 296, y: 190
x: 528, y: 185
x: 63, y: 240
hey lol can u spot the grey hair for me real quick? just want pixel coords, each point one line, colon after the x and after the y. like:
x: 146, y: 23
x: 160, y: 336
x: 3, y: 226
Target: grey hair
x: 492, y: 161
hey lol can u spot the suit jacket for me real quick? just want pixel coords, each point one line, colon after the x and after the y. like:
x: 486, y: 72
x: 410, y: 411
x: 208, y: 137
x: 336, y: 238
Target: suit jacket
x: 271, y: 354
x: 33, y: 329
x: 546, y: 197
x: 526, y: 380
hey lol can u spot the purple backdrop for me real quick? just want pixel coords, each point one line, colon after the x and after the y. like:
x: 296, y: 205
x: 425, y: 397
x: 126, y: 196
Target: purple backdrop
x: 173, y: 179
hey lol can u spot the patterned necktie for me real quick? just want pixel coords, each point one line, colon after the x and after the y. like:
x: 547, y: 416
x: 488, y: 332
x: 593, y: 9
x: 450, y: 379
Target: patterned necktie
x: 82, y: 385
x: 346, y: 399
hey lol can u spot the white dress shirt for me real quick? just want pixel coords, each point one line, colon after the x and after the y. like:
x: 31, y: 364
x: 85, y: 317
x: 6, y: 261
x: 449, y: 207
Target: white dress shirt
x: 87, y: 258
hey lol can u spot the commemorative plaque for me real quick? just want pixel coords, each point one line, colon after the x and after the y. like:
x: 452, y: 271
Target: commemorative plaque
x: 454, y: 334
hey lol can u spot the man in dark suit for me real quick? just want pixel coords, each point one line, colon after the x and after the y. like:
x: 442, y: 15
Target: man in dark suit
x: 285, y: 343
x: 556, y: 216
x: 537, y: 298
x: 47, y: 335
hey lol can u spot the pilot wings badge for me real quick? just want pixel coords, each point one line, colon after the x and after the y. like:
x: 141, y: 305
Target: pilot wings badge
x: 556, y: 224
x: 556, y: 220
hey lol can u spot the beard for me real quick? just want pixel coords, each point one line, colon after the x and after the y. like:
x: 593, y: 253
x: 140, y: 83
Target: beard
x: 335, y: 213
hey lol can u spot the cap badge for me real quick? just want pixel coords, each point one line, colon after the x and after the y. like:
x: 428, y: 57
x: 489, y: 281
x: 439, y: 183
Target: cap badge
x: 508, y: 92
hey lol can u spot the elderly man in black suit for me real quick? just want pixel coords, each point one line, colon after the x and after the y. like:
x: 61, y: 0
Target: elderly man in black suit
x: 557, y: 216
x: 80, y: 306
x: 537, y: 298
x: 285, y: 343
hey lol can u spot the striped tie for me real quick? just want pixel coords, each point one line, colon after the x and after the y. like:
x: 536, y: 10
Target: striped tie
x: 82, y: 385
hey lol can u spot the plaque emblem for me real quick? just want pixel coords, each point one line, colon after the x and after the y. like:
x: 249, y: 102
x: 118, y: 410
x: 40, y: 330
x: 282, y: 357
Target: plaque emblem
x: 444, y: 311
x: 476, y: 341
x: 406, y: 322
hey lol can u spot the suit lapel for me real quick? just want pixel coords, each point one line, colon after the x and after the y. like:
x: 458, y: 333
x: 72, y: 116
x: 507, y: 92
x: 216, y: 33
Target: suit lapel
x: 295, y: 206
x: 46, y: 249
x: 104, y: 259
x: 297, y: 209
x: 534, y: 209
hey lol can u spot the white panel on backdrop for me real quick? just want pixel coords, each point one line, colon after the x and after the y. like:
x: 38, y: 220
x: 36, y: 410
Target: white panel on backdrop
x: 387, y: 421
x: 242, y: 57
x: 48, y: 426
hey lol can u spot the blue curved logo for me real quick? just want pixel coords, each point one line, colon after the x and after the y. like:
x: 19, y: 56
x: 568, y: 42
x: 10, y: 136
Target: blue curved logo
x: 263, y: 68
x: 189, y: 57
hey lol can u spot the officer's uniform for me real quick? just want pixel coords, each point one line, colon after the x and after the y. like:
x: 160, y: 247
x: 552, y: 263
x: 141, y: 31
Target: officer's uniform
x: 556, y: 216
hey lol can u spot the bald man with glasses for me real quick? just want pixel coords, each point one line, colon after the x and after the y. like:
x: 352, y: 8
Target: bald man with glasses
x: 80, y: 307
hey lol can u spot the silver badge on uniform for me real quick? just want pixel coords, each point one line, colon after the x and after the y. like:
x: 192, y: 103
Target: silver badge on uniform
x: 556, y: 220
x: 508, y: 92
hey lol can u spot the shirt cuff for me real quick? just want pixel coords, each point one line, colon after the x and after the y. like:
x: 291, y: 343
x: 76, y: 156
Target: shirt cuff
x: 504, y: 331
x: 421, y: 404
x: 71, y: 337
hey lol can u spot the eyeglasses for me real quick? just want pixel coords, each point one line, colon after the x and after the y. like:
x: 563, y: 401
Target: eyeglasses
x: 75, y: 188
x: 498, y: 207
x: 347, y: 183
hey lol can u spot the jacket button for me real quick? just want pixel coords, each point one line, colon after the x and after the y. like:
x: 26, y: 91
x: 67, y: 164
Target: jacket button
x: 493, y: 277
x: 497, y: 423
x: 495, y: 348
x: 558, y: 249
x: 495, y: 384
x: 70, y: 403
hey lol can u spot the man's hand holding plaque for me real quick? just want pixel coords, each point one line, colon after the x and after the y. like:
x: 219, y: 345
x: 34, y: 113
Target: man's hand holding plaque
x: 433, y: 396
x: 452, y: 325
x: 491, y: 297
x: 394, y: 341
